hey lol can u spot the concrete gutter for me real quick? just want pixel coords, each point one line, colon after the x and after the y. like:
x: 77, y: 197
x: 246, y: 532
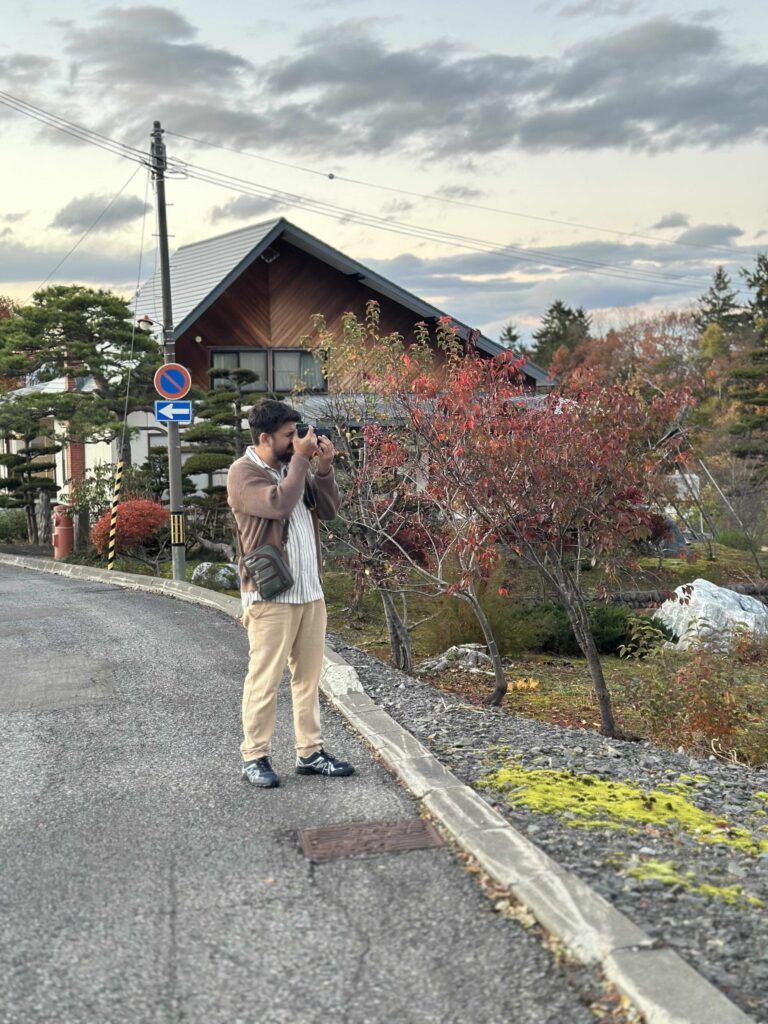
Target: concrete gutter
x: 665, y: 988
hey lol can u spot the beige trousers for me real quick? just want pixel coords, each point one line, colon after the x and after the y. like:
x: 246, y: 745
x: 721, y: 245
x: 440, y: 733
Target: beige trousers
x: 280, y: 634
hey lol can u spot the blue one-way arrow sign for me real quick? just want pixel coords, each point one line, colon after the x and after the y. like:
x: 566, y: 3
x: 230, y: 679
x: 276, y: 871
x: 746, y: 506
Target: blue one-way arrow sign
x: 173, y: 412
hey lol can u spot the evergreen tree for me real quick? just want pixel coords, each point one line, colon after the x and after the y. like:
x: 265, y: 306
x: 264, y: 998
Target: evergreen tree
x: 70, y: 330
x: 719, y: 305
x: 217, y: 438
x: 510, y: 336
x: 560, y: 326
x: 27, y: 467
x: 750, y: 379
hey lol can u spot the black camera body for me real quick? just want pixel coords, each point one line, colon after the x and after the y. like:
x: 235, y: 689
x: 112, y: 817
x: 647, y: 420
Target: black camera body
x: 302, y: 428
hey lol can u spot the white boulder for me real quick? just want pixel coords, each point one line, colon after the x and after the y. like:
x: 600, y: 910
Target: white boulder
x: 217, y: 576
x: 468, y: 656
x: 712, y: 615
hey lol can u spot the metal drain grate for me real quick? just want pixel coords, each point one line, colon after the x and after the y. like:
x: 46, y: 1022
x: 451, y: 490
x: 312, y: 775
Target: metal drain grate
x: 368, y: 837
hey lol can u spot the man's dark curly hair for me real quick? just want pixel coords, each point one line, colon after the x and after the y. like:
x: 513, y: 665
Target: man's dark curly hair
x: 267, y: 416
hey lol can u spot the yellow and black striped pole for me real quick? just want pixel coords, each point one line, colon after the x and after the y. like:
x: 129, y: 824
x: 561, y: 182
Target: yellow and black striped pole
x: 113, y: 517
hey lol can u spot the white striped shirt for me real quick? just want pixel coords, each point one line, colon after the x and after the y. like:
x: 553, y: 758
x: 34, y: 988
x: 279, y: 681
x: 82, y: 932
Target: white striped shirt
x: 300, y: 551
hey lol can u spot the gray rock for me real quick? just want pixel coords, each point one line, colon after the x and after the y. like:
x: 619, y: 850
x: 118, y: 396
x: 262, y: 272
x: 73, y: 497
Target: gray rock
x: 217, y: 576
x: 712, y: 616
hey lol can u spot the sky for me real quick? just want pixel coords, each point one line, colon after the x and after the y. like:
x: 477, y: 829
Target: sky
x: 608, y: 153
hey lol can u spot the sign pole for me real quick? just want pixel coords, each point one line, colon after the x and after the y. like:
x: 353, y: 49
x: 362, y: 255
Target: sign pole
x: 178, y: 542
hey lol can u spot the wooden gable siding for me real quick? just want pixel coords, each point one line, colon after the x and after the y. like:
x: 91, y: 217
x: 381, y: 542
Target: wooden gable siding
x: 239, y: 318
x: 271, y: 306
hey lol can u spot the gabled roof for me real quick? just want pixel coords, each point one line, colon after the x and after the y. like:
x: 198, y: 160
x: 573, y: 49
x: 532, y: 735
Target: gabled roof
x: 202, y: 271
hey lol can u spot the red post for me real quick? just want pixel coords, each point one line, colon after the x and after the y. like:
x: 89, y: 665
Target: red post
x: 63, y: 532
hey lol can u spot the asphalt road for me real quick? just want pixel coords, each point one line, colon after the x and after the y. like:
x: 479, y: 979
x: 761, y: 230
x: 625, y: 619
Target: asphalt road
x: 143, y: 882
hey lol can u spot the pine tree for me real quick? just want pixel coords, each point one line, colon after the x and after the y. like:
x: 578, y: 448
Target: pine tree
x: 560, y: 325
x: 217, y: 439
x: 27, y: 467
x: 510, y: 336
x: 720, y: 305
x: 750, y: 379
x: 70, y: 330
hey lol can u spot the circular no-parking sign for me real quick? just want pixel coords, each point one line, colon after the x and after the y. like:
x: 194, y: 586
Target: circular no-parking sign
x: 172, y: 380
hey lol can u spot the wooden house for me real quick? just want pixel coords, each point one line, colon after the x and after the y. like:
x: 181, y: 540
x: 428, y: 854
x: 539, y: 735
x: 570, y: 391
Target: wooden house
x: 246, y: 298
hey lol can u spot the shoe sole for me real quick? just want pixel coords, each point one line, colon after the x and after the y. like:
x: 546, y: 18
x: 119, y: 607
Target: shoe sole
x: 260, y: 785
x: 327, y: 775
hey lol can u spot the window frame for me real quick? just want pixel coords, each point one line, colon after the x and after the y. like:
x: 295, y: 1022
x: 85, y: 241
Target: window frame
x: 270, y: 364
x: 249, y: 389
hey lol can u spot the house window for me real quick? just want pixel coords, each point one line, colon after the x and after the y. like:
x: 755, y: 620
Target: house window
x: 296, y: 367
x: 242, y: 359
x: 278, y: 370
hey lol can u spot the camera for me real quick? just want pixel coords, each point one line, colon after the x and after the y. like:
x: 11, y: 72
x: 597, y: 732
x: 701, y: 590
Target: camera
x: 302, y: 428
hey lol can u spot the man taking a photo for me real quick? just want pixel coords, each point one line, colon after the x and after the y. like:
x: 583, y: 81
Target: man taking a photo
x: 270, y: 486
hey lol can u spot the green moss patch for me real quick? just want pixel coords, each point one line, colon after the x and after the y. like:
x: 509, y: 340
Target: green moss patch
x: 588, y: 801
x: 666, y: 872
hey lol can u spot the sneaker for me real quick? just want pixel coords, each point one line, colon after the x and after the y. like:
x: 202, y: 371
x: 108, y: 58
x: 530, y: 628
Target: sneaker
x: 260, y: 773
x: 321, y: 763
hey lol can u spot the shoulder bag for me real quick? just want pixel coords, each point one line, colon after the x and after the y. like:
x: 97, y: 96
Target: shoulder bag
x: 266, y: 566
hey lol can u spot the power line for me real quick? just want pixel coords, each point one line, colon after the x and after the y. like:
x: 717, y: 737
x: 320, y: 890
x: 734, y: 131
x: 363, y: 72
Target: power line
x: 70, y: 128
x: 134, y: 325
x: 87, y: 232
x: 514, y: 253
x: 433, y: 197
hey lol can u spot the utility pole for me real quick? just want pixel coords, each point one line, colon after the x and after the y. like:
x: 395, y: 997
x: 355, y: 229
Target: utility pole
x: 158, y: 163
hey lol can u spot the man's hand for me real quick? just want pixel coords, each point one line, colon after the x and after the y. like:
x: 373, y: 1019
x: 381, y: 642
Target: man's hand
x: 306, y: 446
x: 327, y: 454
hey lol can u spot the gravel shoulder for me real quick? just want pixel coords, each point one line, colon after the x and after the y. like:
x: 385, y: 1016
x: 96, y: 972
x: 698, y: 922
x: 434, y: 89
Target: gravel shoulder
x: 707, y: 901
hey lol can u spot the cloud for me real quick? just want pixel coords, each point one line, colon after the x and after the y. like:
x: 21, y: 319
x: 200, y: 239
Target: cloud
x: 671, y: 220
x: 600, y: 8
x: 459, y: 192
x: 20, y: 262
x: 148, y: 51
x: 23, y: 70
x: 710, y: 234
x: 80, y: 213
x: 22, y: 74
x: 657, y: 85
x: 394, y: 208
x: 6, y: 232
x: 489, y: 303
x: 243, y: 207
x: 490, y: 288
x: 13, y: 218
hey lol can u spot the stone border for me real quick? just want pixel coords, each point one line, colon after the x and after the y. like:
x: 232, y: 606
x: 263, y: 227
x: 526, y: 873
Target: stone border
x: 665, y: 988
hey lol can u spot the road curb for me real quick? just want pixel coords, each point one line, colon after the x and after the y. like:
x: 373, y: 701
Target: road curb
x: 663, y: 986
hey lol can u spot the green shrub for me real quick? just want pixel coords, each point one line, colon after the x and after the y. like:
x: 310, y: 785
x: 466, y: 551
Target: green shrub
x: 13, y: 525
x: 734, y: 539
x: 611, y: 625
x: 527, y: 625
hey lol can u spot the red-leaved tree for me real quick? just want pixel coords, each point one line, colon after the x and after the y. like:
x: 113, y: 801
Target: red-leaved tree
x: 556, y: 480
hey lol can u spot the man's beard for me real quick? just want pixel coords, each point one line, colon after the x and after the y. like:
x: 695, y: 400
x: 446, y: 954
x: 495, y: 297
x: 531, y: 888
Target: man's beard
x: 285, y: 457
